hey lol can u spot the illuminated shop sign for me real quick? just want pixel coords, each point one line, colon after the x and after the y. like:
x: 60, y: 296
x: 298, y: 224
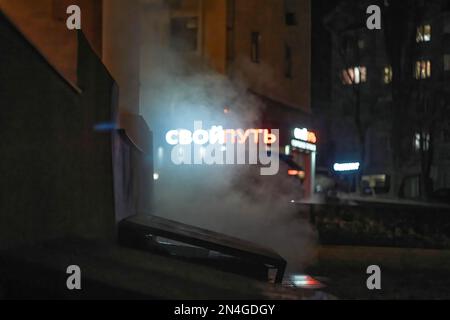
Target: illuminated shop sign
x: 305, y: 135
x: 345, y: 167
x: 219, y: 146
x: 304, y: 140
x: 218, y: 135
x: 304, y: 145
x: 297, y: 173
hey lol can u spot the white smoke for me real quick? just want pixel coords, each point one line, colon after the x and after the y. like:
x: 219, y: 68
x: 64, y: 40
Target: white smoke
x: 177, y: 90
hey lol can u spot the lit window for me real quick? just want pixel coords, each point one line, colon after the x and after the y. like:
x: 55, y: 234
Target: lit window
x: 422, y: 142
x: 387, y: 75
x: 423, y: 69
x: 423, y: 33
x: 355, y: 75
x: 447, y: 62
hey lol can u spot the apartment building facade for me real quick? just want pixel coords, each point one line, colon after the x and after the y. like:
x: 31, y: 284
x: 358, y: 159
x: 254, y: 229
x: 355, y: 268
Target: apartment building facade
x: 269, y: 47
x: 262, y: 45
x: 366, y: 126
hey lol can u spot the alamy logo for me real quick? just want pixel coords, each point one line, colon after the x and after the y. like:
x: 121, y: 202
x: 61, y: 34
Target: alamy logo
x: 219, y: 146
x: 374, y: 281
x: 74, y: 280
x: 374, y: 20
x: 73, y: 22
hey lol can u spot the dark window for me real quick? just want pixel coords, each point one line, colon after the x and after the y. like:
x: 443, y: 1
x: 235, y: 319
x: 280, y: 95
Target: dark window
x: 291, y: 19
x: 255, y: 40
x: 174, y: 4
x: 447, y: 26
x: 446, y: 135
x: 183, y: 33
x: 231, y: 9
x: 446, y: 62
x: 290, y: 12
x: 288, y: 61
x: 446, y: 6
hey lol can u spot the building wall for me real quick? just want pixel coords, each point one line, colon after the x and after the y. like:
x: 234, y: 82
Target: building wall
x: 121, y: 49
x: 215, y: 34
x: 321, y: 81
x: 162, y: 63
x: 364, y: 49
x: 44, y: 23
x: 57, y: 172
x: 111, y: 26
x: 268, y: 76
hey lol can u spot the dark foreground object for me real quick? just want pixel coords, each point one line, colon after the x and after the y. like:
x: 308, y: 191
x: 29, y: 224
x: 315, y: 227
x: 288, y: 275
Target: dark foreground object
x: 112, y: 272
x: 135, y: 231
x: 406, y: 274
x: 387, y: 224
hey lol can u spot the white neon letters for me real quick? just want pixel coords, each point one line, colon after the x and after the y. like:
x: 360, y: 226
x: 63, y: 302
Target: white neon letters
x: 219, y: 146
x: 217, y: 135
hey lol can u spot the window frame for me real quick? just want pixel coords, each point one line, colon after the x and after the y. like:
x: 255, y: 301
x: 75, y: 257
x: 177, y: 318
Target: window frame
x: 423, y: 35
x: 354, y: 75
x: 255, y: 44
x: 421, y: 66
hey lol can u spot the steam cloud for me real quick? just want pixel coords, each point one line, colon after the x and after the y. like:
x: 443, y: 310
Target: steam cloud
x: 177, y: 90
